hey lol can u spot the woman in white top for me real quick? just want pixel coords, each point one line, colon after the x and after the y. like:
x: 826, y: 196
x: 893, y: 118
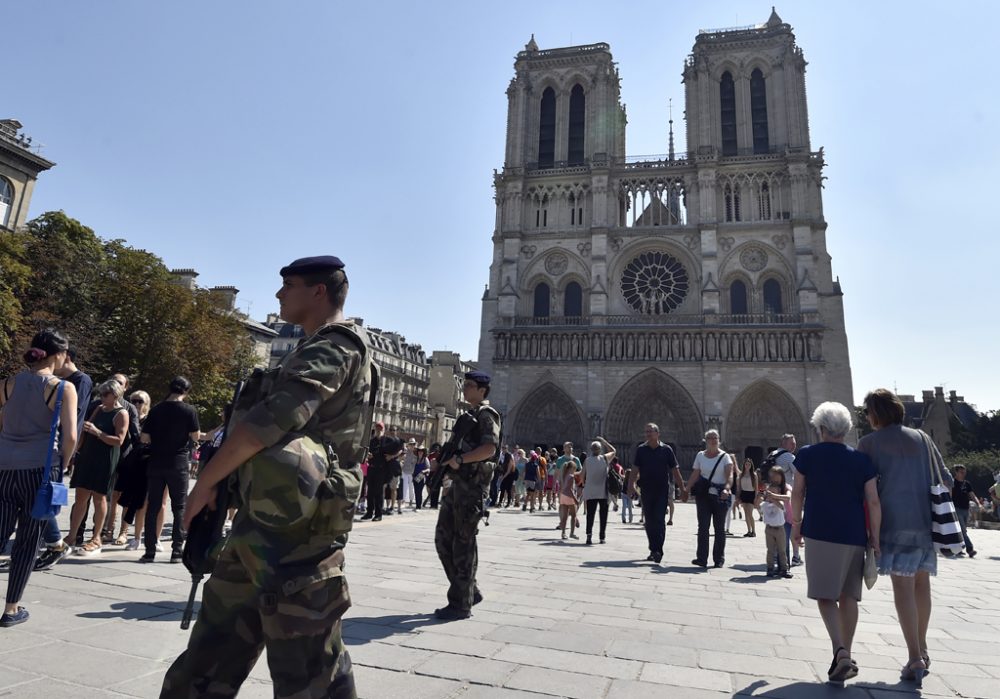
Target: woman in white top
x: 595, y: 485
x: 716, y: 467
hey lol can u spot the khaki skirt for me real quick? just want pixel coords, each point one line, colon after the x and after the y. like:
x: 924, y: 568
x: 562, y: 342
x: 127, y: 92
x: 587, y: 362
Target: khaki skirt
x: 833, y: 570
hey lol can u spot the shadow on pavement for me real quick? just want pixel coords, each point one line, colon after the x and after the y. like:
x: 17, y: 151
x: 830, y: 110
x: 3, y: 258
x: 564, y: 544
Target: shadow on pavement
x: 358, y: 630
x: 816, y: 690
x: 750, y: 568
x: 140, y: 611
x: 612, y: 564
x: 678, y: 569
x: 750, y: 579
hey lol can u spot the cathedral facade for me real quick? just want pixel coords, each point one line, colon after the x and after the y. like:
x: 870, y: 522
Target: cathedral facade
x: 692, y: 289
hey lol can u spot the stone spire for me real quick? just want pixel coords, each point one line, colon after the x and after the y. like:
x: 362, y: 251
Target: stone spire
x: 774, y: 20
x: 532, y: 45
x: 670, y: 147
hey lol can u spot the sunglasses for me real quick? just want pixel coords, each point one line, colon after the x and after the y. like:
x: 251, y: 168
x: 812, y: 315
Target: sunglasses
x: 138, y: 401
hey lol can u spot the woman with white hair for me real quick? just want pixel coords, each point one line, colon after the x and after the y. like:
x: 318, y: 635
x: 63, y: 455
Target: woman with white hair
x: 104, y: 434
x: 595, y: 485
x: 832, y: 486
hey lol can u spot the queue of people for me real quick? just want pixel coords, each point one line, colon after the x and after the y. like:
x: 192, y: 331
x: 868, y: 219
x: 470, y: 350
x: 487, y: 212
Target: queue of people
x: 857, y: 512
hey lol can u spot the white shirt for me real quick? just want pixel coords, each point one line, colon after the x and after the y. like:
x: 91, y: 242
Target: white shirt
x: 787, y: 463
x: 774, y: 514
x: 706, y: 463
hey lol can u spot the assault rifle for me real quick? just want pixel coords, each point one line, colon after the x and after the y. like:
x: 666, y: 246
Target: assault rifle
x: 464, y: 426
x: 206, y: 532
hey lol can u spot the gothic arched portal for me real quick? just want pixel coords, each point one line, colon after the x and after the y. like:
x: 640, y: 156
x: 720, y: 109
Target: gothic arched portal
x: 547, y: 416
x: 759, y: 416
x: 653, y: 396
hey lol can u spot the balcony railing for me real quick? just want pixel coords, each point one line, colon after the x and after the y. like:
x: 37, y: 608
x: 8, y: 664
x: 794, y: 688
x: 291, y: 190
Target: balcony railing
x: 671, y: 319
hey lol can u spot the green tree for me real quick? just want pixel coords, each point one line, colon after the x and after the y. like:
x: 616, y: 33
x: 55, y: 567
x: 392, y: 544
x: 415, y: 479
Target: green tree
x: 122, y: 311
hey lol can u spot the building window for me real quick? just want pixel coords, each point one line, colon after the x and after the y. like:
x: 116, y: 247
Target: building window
x: 732, y: 195
x: 738, y: 298
x: 758, y: 111
x: 577, y: 123
x: 573, y: 301
x: 727, y: 103
x: 764, y: 203
x: 579, y: 215
x: 547, y: 129
x: 6, y: 196
x: 542, y: 298
x: 772, y: 296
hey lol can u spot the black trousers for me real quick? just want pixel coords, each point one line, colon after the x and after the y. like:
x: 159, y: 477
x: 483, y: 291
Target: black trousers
x: 592, y: 507
x: 376, y: 484
x: 176, y: 484
x: 418, y: 491
x: 654, y: 510
x: 712, y: 511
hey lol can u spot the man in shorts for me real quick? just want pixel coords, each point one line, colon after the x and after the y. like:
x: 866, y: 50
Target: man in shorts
x: 562, y: 461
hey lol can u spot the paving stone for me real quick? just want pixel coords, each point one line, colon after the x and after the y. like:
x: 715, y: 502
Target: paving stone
x: 680, y: 676
x: 465, y: 668
x: 558, y: 683
x: 83, y: 665
x: 376, y: 683
x: 632, y: 689
x: 561, y: 660
x: 451, y: 644
x: 388, y: 656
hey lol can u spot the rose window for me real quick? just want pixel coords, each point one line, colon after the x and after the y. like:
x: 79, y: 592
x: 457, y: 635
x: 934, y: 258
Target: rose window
x: 654, y: 283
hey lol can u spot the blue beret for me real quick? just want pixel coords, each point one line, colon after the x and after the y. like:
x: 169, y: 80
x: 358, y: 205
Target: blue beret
x: 480, y: 377
x: 313, y: 265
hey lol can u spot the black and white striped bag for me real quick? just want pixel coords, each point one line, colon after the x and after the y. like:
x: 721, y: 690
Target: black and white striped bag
x: 946, y: 532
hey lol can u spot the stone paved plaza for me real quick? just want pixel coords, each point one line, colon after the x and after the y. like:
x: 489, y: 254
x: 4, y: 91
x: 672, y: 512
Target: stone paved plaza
x: 558, y: 620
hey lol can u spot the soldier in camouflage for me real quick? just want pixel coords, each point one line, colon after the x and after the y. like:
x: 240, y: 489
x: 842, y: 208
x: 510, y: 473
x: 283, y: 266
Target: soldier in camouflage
x: 463, y: 504
x: 297, y: 439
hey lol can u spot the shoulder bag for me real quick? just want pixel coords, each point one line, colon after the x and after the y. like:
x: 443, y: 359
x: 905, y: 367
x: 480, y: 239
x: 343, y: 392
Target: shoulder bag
x: 701, y: 486
x: 615, y: 482
x: 51, y: 495
x: 946, y: 533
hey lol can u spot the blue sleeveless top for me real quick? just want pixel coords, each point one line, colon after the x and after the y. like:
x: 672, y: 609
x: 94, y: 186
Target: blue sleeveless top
x: 27, y: 423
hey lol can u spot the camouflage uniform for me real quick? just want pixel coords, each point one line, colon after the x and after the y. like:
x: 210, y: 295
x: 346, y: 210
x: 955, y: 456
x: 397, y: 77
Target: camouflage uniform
x: 462, y: 508
x: 279, y: 580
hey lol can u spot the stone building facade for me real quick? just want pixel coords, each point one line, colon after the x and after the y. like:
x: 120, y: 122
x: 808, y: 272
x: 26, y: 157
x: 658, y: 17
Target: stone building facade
x: 692, y: 289
x: 19, y: 168
x: 445, y: 397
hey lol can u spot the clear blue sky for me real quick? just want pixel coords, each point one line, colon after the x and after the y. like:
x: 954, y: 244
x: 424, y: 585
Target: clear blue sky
x: 233, y: 136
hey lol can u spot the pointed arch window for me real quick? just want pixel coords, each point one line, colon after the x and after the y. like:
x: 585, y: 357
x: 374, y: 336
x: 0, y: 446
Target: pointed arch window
x: 727, y: 104
x: 547, y: 129
x: 6, y: 197
x: 542, y: 298
x: 764, y: 203
x: 732, y: 196
x: 577, y: 124
x: 738, y: 298
x: 772, y: 296
x: 573, y: 300
x: 758, y: 111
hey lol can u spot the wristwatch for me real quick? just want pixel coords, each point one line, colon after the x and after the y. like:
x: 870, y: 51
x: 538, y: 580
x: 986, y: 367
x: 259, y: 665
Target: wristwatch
x: 459, y: 459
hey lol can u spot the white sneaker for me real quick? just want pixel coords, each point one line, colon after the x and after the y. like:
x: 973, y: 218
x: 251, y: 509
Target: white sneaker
x: 159, y: 547
x: 132, y: 545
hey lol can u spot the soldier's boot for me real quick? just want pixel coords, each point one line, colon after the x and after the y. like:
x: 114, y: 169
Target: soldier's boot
x: 477, y: 597
x: 452, y: 613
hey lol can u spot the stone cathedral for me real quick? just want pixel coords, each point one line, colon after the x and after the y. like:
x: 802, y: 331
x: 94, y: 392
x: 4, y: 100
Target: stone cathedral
x: 691, y: 289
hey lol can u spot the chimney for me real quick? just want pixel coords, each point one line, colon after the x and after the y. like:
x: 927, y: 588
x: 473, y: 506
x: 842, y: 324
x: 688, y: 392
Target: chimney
x: 928, y: 396
x: 273, y: 318
x: 939, y: 392
x: 227, y: 294
x: 185, y: 277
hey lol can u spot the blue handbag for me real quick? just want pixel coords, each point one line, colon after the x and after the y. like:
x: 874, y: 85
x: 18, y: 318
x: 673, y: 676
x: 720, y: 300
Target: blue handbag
x: 51, y: 495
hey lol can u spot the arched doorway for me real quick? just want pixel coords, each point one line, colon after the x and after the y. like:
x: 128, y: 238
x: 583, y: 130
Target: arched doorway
x: 758, y: 418
x: 653, y: 396
x: 546, y: 416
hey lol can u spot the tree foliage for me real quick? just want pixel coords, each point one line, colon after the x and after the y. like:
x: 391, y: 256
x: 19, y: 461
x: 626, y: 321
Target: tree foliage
x: 121, y: 310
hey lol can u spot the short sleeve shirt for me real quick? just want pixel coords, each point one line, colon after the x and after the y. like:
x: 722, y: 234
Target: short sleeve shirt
x: 656, y: 465
x: 787, y: 463
x: 835, y: 492
x: 707, y: 463
x: 561, y: 461
x: 169, y: 426
x: 960, y: 494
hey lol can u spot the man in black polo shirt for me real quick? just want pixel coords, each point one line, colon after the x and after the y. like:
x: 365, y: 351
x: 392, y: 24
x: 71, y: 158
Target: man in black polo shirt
x: 654, y: 465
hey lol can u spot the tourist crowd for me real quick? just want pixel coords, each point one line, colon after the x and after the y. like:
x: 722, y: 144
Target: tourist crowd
x: 851, y: 513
